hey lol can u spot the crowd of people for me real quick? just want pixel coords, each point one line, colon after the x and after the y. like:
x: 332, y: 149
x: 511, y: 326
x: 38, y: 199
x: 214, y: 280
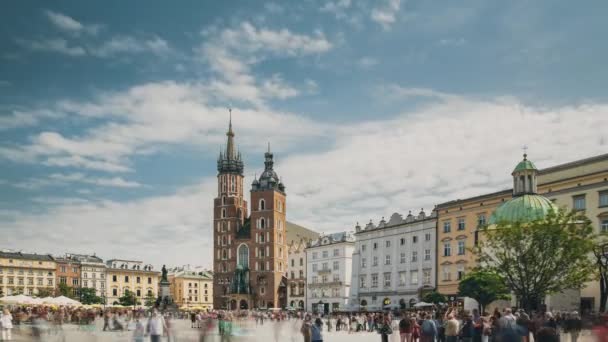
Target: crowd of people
x: 449, y: 325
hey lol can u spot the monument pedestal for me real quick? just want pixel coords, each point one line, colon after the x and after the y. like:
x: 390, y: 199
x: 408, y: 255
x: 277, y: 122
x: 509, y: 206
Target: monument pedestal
x: 165, y: 302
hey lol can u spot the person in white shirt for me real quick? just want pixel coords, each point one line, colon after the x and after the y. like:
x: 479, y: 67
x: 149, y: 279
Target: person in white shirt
x: 6, y: 324
x: 156, y: 326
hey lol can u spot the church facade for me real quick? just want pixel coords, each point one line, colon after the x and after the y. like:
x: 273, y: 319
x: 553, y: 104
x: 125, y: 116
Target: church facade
x: 250, y: 249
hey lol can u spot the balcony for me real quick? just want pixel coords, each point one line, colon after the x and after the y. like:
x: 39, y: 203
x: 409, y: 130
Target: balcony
x: 324, y: 271
x: 326, y: 284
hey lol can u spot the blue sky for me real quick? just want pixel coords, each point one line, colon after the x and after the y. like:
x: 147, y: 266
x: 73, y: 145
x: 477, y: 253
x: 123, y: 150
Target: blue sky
x: 112, y: 113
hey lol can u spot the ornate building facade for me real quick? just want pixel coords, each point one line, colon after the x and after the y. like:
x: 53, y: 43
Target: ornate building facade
x: 250, y: 251
x: 394, y: 262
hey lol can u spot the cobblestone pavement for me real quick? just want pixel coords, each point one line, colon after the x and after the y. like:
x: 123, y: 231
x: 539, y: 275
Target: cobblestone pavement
x: 287, y: 331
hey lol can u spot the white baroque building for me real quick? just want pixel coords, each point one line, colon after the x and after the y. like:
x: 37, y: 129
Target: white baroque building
x: 328, y: 272
x: 92, y: 273
x: 296, y: 274
x: 393, y: 262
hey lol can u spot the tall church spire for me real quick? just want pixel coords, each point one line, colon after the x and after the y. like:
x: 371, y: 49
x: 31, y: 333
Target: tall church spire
x: 230, y: 154
x: 230, y: 160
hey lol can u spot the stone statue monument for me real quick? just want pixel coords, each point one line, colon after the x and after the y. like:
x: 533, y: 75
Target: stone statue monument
x: 165, y: 301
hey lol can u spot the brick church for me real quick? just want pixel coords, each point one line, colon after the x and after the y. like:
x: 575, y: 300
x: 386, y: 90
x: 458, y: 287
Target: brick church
x: 250, y: 249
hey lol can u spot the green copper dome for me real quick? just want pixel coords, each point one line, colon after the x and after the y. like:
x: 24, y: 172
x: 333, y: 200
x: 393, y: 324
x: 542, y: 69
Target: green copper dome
x: 525, y: 165
x: 525, y: 208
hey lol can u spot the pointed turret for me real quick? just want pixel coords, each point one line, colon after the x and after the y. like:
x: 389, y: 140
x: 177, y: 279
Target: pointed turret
x: 230, y: 161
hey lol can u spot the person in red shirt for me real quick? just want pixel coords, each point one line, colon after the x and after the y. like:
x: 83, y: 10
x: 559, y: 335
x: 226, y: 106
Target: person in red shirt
x: 601, y: 331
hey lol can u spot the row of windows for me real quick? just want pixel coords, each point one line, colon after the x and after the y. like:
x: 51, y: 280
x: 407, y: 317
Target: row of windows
x: 325, y: 279
x: 324, y: 293
x: 402, y: 242
x: 64, y: 280
x: 402, y: 258
x: 196, y: 285
x: 579, y: 202
x: 63, y: 269
x: 325, y: 254
x: 278, y: 205
x: 138, y: 292
x: 259, y: 266
x: 336, y: 266
x: 30, y: 281
x: 301, y: 274
x: 137, y: 279
x: 293, y: 262
x: 85, y: 283
x: 196, y: 299
x: 21, y: 271
x: 447, y: 225
x: 85, y: 275
x: 447, y: 272
x: 447, y: 248
x: 402, y: 279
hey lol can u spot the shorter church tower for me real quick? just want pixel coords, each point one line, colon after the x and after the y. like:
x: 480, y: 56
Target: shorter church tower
x: 269, y: 262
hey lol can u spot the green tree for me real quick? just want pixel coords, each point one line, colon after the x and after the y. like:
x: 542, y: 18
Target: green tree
x: 434, y: 297
x: 485, y: 286
x: 128, y: 299
x: 42, y: 293
x: 149, y: 300
x: 65, y: 290
x: 89, y: 296
x: 540, y: 257
x: 600, y: 253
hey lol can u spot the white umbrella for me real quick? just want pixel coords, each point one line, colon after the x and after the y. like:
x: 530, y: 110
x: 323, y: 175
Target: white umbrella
x: 422, y: 304
x: 62, y: 300
x: 19, y: 299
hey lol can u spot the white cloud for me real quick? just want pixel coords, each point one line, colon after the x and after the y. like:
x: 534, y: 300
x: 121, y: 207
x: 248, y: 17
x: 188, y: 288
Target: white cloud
x: 452, y: 42
x: 144, y: 119
x: 19, y: 118
x: 69, y: 24
x: 386, y: 15
x: 452, y: 148
x: 58, y: 45
x: 128, y: 44
x: 311, y: 86
x: 82, y: 178
x: 338, y: 8
x: 396, y: 92
x: 273, y: 7
x: 232, y: 53
x: 367, y: 62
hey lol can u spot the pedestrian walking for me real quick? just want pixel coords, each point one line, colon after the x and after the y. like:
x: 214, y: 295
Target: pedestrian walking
x: 140, y: 331
x: 316, y: 331
x: 385, y: 330
x: 452, y: 327
x: 6, y: 325
x: 156, y: 326
x: 405, y: 329
x: 306, y: 329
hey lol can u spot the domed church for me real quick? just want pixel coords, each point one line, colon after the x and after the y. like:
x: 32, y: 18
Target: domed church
x: 526, y: 205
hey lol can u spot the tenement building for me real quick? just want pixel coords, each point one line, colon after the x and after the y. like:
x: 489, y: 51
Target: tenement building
x: 92, y: 272
x: 297, y: 239
x: 580, y: 185
x: 328, y: 272
x: 394, y: 262
x: 250, y: 251
x: 28, y: 274
x: 129, y: 276
x: 68, y: 275
x: 192, y: 287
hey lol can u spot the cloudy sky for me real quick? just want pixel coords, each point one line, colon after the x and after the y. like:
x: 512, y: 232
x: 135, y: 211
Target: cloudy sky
x: 112, y: 114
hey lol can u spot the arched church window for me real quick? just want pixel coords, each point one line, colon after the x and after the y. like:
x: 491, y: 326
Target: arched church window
x: 262, y: 223
x: 262, y: 205
x: 223, y: 200
x: 233, y: 183
x: 243, y: 256
x: 223, y: 213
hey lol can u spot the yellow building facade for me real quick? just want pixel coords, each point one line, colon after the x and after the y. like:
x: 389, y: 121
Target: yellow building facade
x: 192, y: 287
x: 28, y: 274
x: 132, y: 276
x: 581, y: 185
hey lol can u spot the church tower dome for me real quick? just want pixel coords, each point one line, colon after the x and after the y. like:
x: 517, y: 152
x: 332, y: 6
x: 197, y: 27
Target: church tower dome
x: 526, y: 205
